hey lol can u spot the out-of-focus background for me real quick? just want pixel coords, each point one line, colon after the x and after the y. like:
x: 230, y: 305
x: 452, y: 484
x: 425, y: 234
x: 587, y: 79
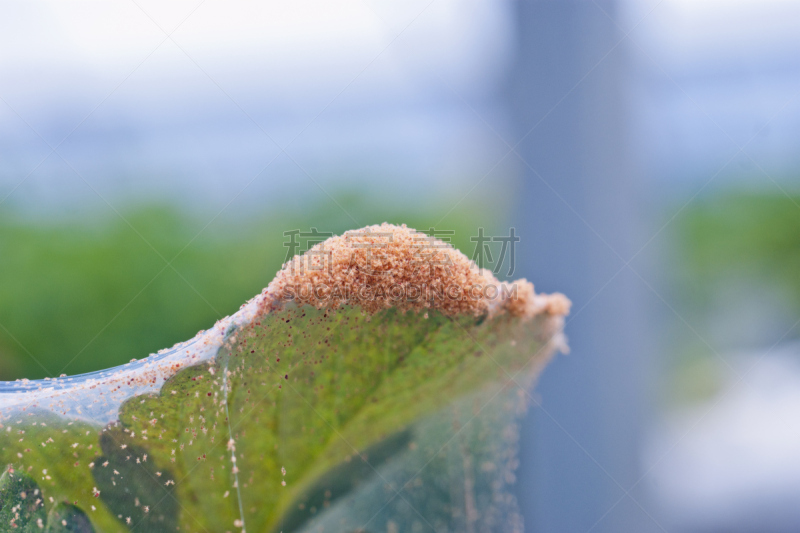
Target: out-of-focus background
x: 646, y: 152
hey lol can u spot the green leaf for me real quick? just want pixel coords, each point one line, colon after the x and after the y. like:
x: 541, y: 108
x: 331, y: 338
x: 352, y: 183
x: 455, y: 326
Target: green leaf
x: 67, y: 518
x: 20, y: 503
x: 131, y: 489
x: 309, y: 390
x: 338, y: 405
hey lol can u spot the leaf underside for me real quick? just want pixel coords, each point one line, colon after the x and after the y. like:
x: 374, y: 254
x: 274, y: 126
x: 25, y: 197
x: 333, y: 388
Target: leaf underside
x: 309, y: 421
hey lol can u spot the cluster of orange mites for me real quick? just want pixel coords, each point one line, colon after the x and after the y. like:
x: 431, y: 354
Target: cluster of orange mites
x: 385, y: 266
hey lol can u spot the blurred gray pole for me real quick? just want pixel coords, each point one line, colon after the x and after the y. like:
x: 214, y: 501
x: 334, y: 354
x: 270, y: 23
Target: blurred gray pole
x: 582, y: 445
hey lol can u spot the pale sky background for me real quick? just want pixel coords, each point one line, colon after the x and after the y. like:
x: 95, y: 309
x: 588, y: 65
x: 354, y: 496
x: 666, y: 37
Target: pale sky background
x: 361, y: 89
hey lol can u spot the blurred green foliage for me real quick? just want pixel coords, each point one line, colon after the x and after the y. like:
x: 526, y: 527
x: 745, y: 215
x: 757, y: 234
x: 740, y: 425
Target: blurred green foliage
x: 729, y: 247
x: 742, y: 233
x: 86, y: 294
